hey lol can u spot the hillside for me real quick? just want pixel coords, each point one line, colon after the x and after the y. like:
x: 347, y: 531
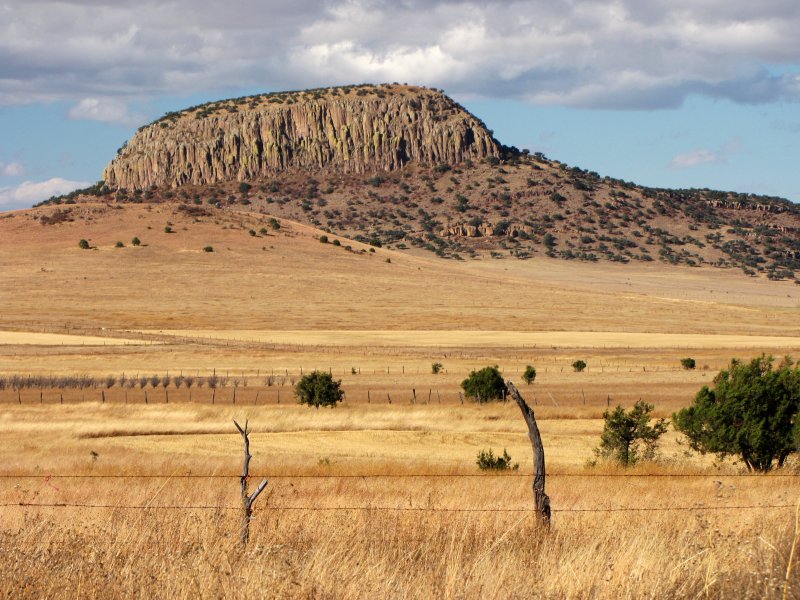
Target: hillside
x: 407, y: 168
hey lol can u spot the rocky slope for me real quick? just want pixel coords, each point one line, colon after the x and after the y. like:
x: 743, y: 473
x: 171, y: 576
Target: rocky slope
x: 350, y: 130
x: 408, y: 168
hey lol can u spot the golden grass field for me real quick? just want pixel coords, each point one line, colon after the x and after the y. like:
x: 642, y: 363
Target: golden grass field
x: 371, y: 499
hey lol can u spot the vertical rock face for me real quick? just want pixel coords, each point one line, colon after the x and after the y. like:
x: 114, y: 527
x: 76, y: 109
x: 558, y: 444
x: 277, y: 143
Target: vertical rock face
x: 352, y: 129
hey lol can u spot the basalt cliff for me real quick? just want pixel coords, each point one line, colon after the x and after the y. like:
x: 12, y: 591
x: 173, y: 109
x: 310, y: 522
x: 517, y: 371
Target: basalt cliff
x: 350, y: 130
x: 406, y: 167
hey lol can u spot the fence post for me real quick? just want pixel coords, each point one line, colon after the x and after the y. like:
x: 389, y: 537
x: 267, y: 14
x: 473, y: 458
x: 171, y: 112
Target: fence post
x: 540, y: 498
x: 247, y: 500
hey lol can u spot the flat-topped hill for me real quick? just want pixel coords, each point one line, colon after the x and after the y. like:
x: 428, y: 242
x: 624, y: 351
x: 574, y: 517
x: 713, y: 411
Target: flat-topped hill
x: 347, y: 129
x: 406, y: 167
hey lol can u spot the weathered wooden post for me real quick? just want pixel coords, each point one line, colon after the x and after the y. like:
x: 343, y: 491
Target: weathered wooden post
x: 540, y: 498
x: 247, y: 500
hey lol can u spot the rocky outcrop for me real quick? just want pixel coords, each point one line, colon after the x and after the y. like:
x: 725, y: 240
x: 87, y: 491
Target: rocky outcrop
x: 485, y: 229
x: 355, y: 130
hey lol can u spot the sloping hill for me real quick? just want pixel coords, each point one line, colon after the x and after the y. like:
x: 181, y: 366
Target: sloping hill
x: 407, y: 168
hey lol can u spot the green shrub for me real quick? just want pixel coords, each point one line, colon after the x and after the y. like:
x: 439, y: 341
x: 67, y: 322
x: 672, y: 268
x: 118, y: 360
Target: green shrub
x: 436, y: 368
x: 84, y: 245
x: 579, y: 365
x: 263, y: 231
x: 244, y: 187
x: 488, y: 461
x: 136, y: 242
x: 274, y: 224
x: 323, y: 239
x: 318, y: 389
x: 628, y: 437
x: 752, y: 412
x: 208, y: 248
x: 337, y: 243
x: 119, y: 245
x: 252, y: 233
x: 529, y: 375
x: 484, y: 385
x: 168, y: 229
x: 688, y: 363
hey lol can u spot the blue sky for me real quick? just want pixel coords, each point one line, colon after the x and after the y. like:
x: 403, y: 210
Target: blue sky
x: 680, y: 93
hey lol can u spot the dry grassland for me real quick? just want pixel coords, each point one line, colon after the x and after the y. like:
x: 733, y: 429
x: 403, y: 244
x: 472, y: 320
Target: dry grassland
x: 371, y: 502
x: 372, y: 499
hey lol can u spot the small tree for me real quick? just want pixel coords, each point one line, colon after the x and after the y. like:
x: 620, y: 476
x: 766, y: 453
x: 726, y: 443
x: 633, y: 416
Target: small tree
x: 752, y: 412
x: 484, y: 385
x: 487, y: 461
x: 208, y: 248
x: 136, y: 242
x: 579, y: 365
x: 688, y: 363
x: 436, y: 368
x: 529, y: 375
x: 628, y: 437
x: 318, y: 389
x: 84, y: 245
x: 323, y: 239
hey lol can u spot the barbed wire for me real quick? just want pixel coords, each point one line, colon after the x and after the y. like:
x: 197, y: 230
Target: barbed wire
x: 373, y: 475
x: 393, y: 508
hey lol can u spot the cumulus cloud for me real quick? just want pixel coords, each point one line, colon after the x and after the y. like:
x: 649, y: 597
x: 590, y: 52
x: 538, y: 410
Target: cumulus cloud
x: 29, y: 192
x: 105, y: 110
x: 12, y: 169
x: 590, y: 53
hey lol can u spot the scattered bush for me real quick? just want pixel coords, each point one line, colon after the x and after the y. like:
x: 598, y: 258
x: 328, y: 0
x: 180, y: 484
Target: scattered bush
x: 436, y: 368
x: 752, y: 412
x: 84, y: 245
x: 688, y: 363
x: 529, y: 375
x: 208, y: 248
x: 488, y: 461
x: 168, y: 229
x: 484, y: 385
x: 119, y: 245
x: 323, y: 239
x: 579, y: 365
x: 628, y: 437
x: 252, y: 233
x: 136, y: 242
x: 318, y: 389
x: 274, y: 224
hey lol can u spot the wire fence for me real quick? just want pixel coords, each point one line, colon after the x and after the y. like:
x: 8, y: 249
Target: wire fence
x: 703, y: 508
x: 375, y: 475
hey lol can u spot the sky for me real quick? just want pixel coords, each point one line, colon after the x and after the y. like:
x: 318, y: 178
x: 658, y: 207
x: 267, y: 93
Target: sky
x: 666, y: 93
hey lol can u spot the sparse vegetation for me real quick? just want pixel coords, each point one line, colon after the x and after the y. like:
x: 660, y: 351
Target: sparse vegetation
x: 136, y: 242
x: 579, y: 365
x: 484, y: 385
x: 688, y: 363
x: 628, y: 437
x: 487, y: 461
x: 751, y: 412
x: 436, y: 368
x: 529, y: 375
x: 208, y: 248
x: 84, y: 245
x: 318, y: 389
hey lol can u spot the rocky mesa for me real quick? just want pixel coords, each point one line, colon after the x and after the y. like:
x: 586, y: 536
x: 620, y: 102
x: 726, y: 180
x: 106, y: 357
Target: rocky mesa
x: 352, y: 129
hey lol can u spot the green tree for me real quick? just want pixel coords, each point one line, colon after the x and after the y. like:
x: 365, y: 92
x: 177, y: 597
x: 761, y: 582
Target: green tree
x: 318, y: 389
x: 752, y: 412
x: 579, y: 365
x: 484, y: 385
x: 688, y: 363
x: 136, y: 241
x: 628, y: 437
x: 487, y: 461
x: 529, y: 375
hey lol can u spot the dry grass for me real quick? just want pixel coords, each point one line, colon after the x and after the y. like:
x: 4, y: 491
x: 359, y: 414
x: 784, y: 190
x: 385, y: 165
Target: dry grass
x: 394, y: 536
x: 631, y: 324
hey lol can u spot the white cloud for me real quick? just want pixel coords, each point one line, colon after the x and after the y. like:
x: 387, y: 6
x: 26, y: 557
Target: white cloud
x: 105, y: 110
x: 704, y: 156
x: 694, y: 158
x: 617, y: 54
x: 29, y: 192
x: 12, y: 169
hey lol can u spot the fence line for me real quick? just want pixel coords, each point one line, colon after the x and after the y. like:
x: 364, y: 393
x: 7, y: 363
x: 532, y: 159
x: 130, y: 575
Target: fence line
x: 375, y: 475
x: 395, y: 509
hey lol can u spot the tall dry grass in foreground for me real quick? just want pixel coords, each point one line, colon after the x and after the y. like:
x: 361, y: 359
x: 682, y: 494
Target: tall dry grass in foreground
x: 377, y: 553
